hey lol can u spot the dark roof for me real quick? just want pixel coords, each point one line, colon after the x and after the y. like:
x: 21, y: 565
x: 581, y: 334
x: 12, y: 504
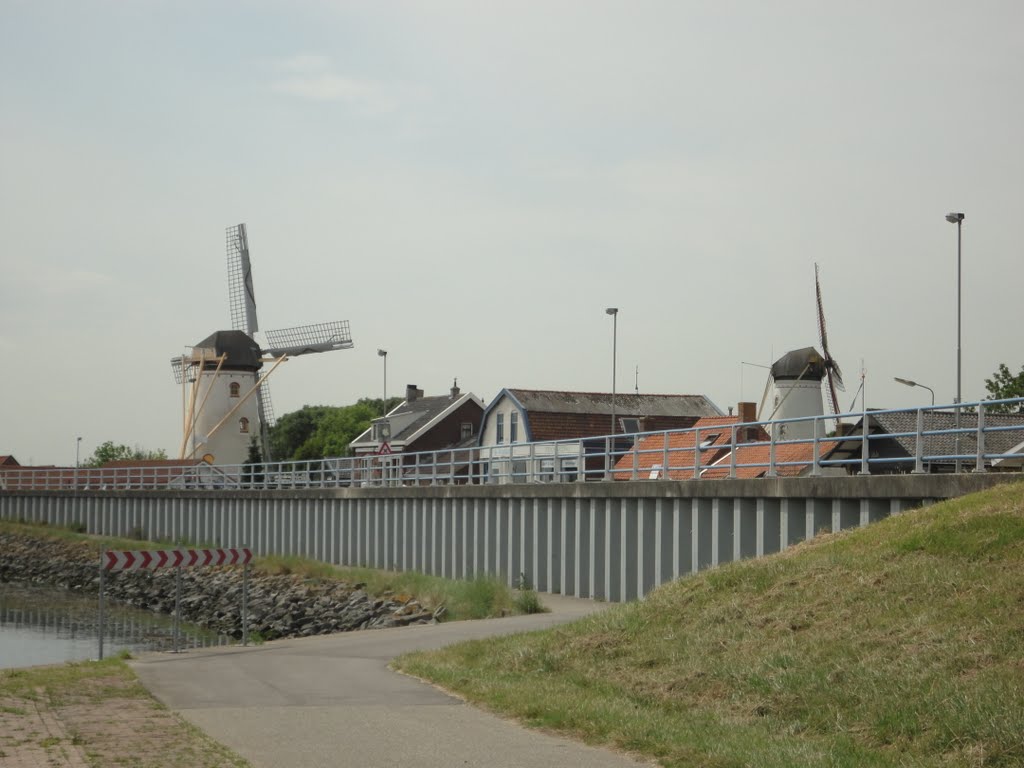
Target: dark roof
x: 407, y: 418
x: 543, y: 400
x: 8, y: 461
x: 243, y: 353
x: 903, y: 427
x: 806, y: 363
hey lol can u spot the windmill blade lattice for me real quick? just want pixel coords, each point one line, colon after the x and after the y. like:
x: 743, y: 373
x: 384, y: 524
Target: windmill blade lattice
x: 241, y: 296
x: 306, y: 339
x: 834, y: 375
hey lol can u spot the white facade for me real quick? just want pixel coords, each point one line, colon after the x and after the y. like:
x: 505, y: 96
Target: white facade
x: 794, y: 399
x: 510, y: 458
x: 229, y: 444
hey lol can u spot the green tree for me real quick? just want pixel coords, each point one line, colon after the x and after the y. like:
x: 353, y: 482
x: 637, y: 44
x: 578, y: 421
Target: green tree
x: 321, y: 431
x: 1003, y: 385
x: 253, y: 469
x: 109, y: 452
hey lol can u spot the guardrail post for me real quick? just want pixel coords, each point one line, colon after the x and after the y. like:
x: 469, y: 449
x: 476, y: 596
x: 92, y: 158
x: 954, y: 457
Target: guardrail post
x: 664, y: 459
x: 532, y: 473
x: 816, y: 447
x: 919, y: 444
x: 980, y: 463
x: 732, y: 453
x: 636, y: 458
x: 772, y: 472
x: 865, y: 430
x: 608, y: 458
x: 696, y: 454
x: 581, y: 463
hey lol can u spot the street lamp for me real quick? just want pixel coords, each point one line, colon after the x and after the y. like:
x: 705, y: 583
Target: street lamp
x: 78, y: 445
x: 614, y: 312
x: 958, y: 219
x: 384, y: 353
x: 910, y: 383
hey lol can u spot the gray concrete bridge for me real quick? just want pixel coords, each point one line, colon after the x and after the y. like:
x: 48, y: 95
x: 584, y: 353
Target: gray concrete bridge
x: 613, y: 541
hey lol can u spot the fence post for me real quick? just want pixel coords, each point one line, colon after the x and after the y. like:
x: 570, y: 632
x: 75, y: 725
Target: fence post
x: 581, y: 463
x: 245, y: 604
x: 732, y: 453
x: 664, y: 459
x: 919, y: 444
x: 103, y: 581
x: 177, y: 605
x: 696, y: 453
x: 771, y: 454
x: 980, y: 463
x: 865, y: 430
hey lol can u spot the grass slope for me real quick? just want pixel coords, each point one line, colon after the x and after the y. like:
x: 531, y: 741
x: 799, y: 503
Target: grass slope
x: 896, y: 644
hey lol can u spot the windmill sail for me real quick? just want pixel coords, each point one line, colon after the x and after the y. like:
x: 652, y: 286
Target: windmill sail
x: 241, y: 297
x: 834, y: 376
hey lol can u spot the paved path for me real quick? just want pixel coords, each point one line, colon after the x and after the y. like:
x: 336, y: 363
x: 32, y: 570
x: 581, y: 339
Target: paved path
x: 332, y: 701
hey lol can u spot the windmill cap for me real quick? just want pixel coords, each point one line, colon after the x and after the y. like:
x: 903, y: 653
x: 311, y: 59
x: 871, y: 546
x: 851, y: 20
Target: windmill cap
x: 806, y: 363
x: 242, y: 352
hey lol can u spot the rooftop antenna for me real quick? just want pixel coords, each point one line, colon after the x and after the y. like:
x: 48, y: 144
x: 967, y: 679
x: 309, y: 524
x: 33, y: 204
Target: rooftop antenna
x: 636, y: 380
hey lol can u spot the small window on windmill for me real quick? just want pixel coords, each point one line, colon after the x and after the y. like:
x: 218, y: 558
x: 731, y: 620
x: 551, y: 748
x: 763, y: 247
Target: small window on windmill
x: 243, y: 425
x: 234, y: 388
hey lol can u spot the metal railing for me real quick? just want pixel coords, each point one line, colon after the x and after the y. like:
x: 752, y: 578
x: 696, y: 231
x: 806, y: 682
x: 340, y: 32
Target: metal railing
x: 800, y: 446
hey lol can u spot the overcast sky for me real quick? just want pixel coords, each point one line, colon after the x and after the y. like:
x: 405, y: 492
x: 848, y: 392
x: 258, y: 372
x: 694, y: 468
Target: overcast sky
x: 471, y: 184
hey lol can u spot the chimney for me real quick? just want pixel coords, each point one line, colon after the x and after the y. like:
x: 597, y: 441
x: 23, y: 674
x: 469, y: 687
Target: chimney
x: 455, y: 389
x: 747, y: 413
x: 412, y: 394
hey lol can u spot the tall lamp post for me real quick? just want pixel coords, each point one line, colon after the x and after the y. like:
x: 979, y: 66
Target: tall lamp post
x: 614, y: 312
x: 958, y: 219
x: 910, y: 383
x: 78, y: 445
x: 384, y: 353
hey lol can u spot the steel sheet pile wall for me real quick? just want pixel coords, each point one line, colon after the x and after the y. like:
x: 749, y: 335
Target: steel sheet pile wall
x: 614, y: 541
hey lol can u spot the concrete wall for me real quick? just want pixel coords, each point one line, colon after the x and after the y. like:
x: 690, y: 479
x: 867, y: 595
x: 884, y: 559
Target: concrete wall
x: 614, y: 541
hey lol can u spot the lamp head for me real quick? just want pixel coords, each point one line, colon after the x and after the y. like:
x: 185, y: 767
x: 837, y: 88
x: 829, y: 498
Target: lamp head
x: 908, y: 382
x: 612, y: 311
x: 382, y: 352
x: 954, y: 218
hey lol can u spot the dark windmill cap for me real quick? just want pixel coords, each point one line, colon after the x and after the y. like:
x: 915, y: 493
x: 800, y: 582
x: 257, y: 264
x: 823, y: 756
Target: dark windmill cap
x: 804, y: 363
x: 243, y: 353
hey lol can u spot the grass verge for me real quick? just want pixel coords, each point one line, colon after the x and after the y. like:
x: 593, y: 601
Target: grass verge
x: 897, y: 644
x: 100, y: 711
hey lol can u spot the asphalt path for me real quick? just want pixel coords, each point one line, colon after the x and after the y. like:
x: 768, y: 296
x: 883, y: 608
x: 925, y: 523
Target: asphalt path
x: 332, y: 701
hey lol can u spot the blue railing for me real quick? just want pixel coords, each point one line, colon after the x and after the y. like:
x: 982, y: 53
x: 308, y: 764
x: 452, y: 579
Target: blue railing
x: 985, y: 440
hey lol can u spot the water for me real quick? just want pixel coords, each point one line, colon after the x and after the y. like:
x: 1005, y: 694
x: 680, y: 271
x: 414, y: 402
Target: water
x: 49, y: 625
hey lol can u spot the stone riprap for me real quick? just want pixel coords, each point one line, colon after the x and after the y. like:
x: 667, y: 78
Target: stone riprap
x: 211, y: 597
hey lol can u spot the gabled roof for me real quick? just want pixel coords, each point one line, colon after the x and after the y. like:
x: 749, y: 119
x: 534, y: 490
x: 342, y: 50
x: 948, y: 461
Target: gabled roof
x: 409, y: 420
x: 555, y: 415
x: 715, y: 438
x: 8, y: 461
x: 902, y: 426
x: 552, y: 401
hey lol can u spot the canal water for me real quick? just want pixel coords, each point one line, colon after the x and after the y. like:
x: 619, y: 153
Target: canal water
x: 48, y: 625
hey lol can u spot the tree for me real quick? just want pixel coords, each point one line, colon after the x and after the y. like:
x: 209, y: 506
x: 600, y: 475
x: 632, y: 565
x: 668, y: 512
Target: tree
x: 252, y: 472
x: 321, y: 431
x: 109, y: 452
x: 1004, y: 385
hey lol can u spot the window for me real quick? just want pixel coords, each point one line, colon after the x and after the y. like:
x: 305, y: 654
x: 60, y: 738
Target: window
x: 501, y: 428
x: 234, y: 388
x: 546, y: 472
x: 243, y: 425
x: 467, y: 429
x: 631, y: 426
x: 709, y: 440
x: 513, y: 426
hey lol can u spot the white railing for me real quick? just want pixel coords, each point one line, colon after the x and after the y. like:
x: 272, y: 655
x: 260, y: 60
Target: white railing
x: 814, y: 446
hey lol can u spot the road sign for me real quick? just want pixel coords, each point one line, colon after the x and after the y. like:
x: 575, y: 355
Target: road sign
x: 148, y: 560
x: 385, y: 449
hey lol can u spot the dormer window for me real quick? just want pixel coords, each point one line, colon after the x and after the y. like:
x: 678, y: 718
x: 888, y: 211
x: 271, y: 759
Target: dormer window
x: 243, y: 425
x: 631, y: 425
x: 234, y: 388
x: 709, y: 441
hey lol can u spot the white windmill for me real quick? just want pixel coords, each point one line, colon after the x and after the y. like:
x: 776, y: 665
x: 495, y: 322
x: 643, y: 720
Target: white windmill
x: 797, y: 378
x: 225, y: 399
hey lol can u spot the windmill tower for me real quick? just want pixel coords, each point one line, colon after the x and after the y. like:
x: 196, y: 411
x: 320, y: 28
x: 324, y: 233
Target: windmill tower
x: 225, y: 398
x: 796, y: 381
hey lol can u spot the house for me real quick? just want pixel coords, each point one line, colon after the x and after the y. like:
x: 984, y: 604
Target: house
x: 573, y: 426
x: 707, y: 452
x: 893, y: 442
x: 396, y: 444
